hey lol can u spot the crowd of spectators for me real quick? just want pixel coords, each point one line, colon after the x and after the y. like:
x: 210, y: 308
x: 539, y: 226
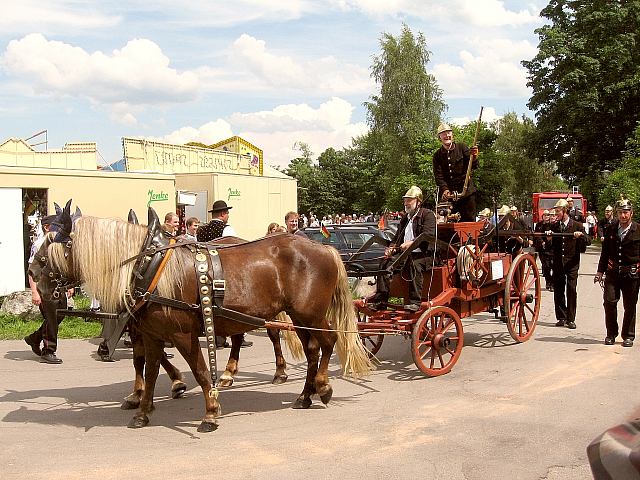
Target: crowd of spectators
x: 313, y: 220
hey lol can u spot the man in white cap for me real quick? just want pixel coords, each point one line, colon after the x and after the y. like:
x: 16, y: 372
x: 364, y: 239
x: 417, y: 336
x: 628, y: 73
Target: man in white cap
x: 620, y: 266
x: 450, y: 164
x: 417, y: 220
x: 607, y: 220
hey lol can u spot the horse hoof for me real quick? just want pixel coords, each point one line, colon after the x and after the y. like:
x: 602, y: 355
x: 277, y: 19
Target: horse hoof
x: 326, y: 397
x: 130, y: 405
x: 178, y: 390
x: 301, y: 403
x: 225, y: 382
x: 279, y: 379
x: 138, y: 421
x: 207, y: 427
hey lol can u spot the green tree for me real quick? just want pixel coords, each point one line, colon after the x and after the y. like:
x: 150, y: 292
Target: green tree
x: 409, y: 105
x: 586, y: 84
x: 625, y: 180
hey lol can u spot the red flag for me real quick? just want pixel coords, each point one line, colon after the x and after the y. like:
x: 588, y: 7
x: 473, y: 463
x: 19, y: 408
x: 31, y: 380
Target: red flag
x: 382, y: 223
x: 325, y: 233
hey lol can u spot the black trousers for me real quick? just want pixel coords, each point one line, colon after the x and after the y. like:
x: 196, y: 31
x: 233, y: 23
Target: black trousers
x: 614, y: 285
x: 412, y: 271
x: 466, y: 206
x: 48, y: 331
x: 546, y: 260
x: 565, y: 295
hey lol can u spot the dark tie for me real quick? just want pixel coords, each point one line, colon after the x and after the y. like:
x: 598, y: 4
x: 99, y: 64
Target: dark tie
x: 562, y: 226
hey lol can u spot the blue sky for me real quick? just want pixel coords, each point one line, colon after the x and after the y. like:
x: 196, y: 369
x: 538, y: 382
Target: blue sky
x: 273, y: 72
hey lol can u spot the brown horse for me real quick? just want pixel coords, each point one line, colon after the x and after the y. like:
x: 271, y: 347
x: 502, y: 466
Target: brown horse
x: 40, y: 269
x: 287, y: 273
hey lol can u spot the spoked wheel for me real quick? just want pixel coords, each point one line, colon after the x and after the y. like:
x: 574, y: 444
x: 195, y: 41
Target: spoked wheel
x: 522, y: 297
x: 437, y: 341
x: 371, y: 341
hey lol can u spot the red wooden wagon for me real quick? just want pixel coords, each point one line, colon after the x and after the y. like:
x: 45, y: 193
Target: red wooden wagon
x: 468, y: 280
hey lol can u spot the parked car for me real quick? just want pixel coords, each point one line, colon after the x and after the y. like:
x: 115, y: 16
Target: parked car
x: 347, y: 239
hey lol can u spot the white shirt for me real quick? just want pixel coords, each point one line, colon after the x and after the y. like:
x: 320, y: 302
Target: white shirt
x: 229, y: 231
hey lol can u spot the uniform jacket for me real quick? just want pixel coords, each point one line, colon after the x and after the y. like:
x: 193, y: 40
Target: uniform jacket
x: 566, y: 250
x: 424, y: 222
x: 616, y: 253
x: 450, y: 168
x: 541, y: 244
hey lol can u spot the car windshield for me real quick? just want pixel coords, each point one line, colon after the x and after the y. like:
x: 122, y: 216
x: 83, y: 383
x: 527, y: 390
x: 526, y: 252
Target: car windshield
x: 549, y: 203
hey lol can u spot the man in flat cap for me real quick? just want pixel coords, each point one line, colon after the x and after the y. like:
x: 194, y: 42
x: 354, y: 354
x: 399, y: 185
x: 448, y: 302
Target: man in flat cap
x: 619, y: 265
x: 218, y: 226
x: 450, y: 164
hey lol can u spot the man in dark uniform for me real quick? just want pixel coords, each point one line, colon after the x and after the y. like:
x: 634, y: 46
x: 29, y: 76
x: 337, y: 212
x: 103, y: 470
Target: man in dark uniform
x: 574, y: 212
x: 566, y: 251
x: 47, y: 334
x: 619, y: 264
x: 543, y: 247
x: 607, y: 220
x: 450, y: 164
x: 417, y: 220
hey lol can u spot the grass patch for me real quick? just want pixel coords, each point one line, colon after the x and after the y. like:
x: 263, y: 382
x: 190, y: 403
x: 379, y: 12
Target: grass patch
x: 16, y: 328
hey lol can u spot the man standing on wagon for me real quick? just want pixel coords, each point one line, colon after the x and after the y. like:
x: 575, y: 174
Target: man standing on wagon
x: 620, y: 259
x: 417, y: 220
x: 450, y: 165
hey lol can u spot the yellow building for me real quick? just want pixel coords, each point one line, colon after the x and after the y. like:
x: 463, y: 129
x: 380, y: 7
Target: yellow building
x: 167, y: 177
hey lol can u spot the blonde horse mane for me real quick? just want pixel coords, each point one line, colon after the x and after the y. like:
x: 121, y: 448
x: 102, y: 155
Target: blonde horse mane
x: 100, y: 245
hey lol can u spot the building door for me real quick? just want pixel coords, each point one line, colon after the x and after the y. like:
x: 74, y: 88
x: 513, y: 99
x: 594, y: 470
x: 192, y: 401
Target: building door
x: 12, y: 251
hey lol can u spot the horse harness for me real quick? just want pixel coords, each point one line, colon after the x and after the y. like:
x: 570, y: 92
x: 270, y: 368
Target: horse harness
x: 150, y: 262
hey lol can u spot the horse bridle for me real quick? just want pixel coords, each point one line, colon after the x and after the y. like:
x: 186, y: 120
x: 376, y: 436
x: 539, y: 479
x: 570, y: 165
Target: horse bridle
x: 61, y: 283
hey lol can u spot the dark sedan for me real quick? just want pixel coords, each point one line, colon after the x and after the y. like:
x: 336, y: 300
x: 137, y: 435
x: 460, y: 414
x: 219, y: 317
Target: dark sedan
x: 348, y: 239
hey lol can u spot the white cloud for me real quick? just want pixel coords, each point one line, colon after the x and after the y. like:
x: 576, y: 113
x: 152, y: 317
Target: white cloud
x: 138, y: 74
x: 482, y: 13
x: 493, y: 72
x: 53, y: 16
x: 277, y: 131
x: 210, y: 132
x: 489, y: 115
x: 325, y: 75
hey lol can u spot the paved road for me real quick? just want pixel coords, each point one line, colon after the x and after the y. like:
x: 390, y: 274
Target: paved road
x: 505, y: 411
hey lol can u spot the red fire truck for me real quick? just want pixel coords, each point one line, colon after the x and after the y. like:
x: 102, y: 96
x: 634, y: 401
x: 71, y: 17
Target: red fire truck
x: 546, y: 200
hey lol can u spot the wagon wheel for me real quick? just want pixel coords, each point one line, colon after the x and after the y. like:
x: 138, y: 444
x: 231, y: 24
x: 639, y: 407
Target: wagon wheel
x: 522, y: 297
x: 437, y: 341
x: 371, y: 341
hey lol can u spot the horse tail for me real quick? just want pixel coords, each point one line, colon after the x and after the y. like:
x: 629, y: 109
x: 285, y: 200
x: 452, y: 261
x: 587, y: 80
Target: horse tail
x: 291, y: 340
x: 341, y: 315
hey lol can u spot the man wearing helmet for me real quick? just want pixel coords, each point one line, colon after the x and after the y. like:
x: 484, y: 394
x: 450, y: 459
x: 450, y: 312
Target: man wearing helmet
x: 566, y: 251
x: 607, y: 220
x: 450, y: 165
x: 543, y: 247
x: 417, y: 220
x: 619, y: 265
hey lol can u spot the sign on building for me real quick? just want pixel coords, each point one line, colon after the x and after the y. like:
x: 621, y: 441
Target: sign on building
x: 147, y: 156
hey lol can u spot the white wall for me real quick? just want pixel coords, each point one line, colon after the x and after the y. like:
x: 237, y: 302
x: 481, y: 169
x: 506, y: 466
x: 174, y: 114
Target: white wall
x: 11, y: 247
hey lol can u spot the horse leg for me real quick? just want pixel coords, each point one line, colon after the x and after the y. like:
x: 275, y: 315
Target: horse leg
x: 226, y: 379
x: 132, y: 401
x: 327, y: 340
x: 189, y: 347
x: 178, y: 387
x: 153, y: 350
x: 311, y: 350
x: 281, y: 375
